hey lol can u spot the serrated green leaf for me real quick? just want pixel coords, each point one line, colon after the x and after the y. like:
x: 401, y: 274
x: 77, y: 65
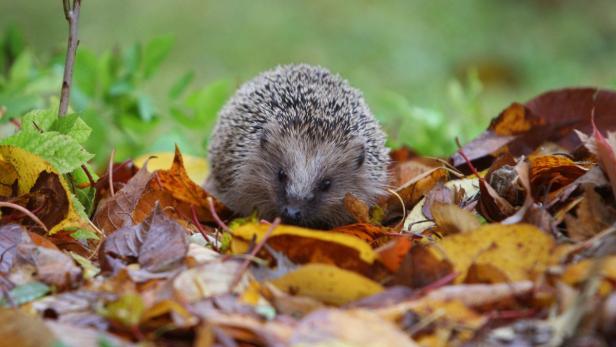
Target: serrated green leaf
x: 39, y: 120
x: 79, y: 208
x: 84, y: 235
x: 61, y: 151
x: 72, y: 126
x: 26, y: 292
x: 155, y: 53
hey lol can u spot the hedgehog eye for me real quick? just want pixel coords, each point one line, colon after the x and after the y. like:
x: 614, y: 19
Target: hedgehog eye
x: 325, y: 184
x: 282, y: 176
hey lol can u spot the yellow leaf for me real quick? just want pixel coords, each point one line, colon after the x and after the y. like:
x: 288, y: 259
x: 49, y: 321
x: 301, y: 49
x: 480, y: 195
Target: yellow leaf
x: 453, y: 219
x: 327, y: 283
x: 165, y: 307
x: 506, y: 252
x: 26, y: 168
x: 245, y: 234
x: 578, y: 273
x: 196, y: 168
x: 20, y: 329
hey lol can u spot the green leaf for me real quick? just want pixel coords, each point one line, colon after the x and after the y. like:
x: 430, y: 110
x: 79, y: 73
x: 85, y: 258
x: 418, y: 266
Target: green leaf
x: 132, y: 59
x: 79, y: 208
x: 20, y: 71
x: 127, y: 310
x: 205, y: 104
x: 25, y: 293
x: 72, y: 126
x: 39, y: 120
x: 180, y: 85
x: 146, y: 108
x: 61, y: 151
x: 89, y: 270
x: 84, y: 235
x: 155, y: 53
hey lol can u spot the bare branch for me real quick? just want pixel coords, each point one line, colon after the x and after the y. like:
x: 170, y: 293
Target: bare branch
x: 71, y: 14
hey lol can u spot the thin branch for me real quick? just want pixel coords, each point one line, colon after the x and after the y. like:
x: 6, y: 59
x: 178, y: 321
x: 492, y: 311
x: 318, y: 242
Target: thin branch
x: 246, y: 263
x: 26, y: 212
x: 110, y: 172
x: 71, y: 13
x: 210, y: 203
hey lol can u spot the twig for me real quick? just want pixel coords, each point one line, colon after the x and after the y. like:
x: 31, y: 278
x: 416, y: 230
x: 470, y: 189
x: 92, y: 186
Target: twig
x: 110, y: 172
x: 26, y: 212
x: 254, y: 252
x: 467, y: 160
x: 87, y: 172
x: 401, y: 223
x: 199, y: 227
x: 71, y: 13
x: 210, y: 203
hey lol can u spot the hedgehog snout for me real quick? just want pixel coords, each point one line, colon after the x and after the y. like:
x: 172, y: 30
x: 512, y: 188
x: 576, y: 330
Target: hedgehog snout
x: 291, y: 214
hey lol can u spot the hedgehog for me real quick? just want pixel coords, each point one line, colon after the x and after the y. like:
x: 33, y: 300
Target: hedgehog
x: 291, y: 143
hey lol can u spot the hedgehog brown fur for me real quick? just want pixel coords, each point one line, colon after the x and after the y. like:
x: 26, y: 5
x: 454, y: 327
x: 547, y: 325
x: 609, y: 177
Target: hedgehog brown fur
x: 292, y: 142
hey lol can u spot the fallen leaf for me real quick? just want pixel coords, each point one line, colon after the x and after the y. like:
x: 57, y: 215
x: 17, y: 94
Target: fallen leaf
x: 207, y: 280
x: 20, y: 329
x: 70, y: 335
x: 416, y: 221
x: 327, y: 283
x: 196, y: 168
x: 578, y: 273
x: 392, y: 254
x: 357, y: 208
x: 41, y: 188
x: 420, y: 267
x: 174, y: 188
x: 303, y: 246
x: 452, y: 219
x: 551, y: 116
x: 330, y: 327
x: 606, y: 150
x: 115, y: 211
x: 518, y: 252
x: 593, y: 216
x: 159, y: 245
x: 552, y: 172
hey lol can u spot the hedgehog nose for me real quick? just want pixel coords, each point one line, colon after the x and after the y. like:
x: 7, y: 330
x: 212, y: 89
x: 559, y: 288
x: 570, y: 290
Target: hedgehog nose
x: 291, y: 214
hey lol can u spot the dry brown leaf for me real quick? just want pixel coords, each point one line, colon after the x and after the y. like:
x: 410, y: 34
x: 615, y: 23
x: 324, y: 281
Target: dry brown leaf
x: 392, y: 254
x: 552, y: 172
x: 420, y: 267
x: 593, y: 216
x: 551, y: 116
x: 413, y: 191
x: 159, y: 245
x: 357, y: 208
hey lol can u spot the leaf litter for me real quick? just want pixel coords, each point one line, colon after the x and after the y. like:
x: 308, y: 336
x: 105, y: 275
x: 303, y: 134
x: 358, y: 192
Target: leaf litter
x: 513, y: 243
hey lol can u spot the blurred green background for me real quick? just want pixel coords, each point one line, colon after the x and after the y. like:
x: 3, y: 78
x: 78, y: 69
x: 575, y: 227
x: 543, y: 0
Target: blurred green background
x: 154, y: 72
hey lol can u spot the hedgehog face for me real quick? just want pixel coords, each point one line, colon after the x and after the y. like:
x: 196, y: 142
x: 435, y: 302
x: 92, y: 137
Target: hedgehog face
x: 305, y: 181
